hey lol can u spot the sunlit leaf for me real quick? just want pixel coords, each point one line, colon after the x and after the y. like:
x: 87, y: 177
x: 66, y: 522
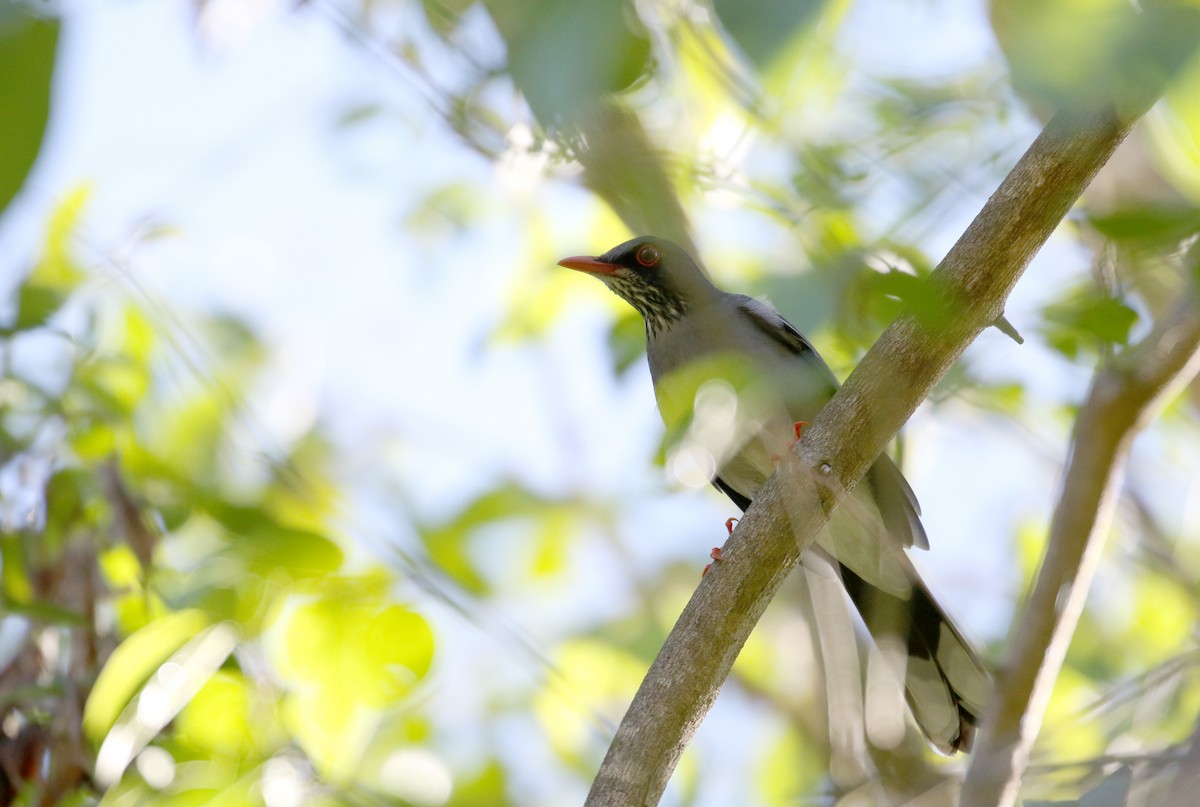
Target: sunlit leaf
x: 134, y: 660
x: 1175, y: 132
x: 488, y: 786
x: 607, y: 673
x: 362, y: 653
x: 269, y: 547
x: 448, y: 543
x: 218, y: 720
x: 350, y: 657
x: 56, y: 273
x: 789, y: 770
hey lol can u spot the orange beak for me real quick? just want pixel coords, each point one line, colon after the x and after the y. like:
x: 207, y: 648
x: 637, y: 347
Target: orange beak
x: 584, y: 263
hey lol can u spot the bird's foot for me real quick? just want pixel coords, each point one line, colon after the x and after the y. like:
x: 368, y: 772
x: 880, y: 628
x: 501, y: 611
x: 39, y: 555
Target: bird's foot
x: 729, y: 522
x: 716, y: 553
x: 797, y: 429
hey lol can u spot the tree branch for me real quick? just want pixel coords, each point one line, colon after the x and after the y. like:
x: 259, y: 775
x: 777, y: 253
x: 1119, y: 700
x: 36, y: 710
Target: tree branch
x: 971, y: 285
x: 1122, y: 399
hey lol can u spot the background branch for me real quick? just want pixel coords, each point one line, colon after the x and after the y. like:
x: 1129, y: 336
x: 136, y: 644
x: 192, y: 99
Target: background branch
x: 1122, y: 399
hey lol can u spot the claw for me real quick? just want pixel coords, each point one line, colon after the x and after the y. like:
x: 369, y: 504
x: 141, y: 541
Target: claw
x: 729, y: 522
x: 798, y: 427
x: 715, y: 555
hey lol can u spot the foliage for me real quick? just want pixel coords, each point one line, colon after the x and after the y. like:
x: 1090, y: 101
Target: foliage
x: 192, y: 615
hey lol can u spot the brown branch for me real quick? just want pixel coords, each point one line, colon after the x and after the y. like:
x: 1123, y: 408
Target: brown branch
x: 1122, y: 399
x: 895, y: 376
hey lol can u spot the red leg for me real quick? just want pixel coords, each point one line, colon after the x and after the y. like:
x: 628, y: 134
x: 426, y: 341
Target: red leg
x: 798, y: 427
x: 715, y: 554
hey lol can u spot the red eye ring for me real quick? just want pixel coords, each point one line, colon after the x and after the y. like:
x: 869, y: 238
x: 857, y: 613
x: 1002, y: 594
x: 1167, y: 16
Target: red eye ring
x: 648, y: 256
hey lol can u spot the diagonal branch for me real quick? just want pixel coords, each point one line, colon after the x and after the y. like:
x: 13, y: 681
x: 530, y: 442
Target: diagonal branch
x: 1123, y: 397
x: 972, y: 284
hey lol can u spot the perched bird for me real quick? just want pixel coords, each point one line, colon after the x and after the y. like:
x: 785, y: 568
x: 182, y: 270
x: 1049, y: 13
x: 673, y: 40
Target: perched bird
x: 705, y: 345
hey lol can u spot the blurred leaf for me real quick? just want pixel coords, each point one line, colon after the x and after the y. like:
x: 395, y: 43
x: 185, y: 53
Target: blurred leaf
x: 488, y: 787
x: 269, y: 547
x: 565, y: 56
x: 48, y: 613
x: 134, y: 660
x: 823, y: 177
x: 1153, y: 226
x: 364, y: 653
x: 444, y: 16
x: 351, y: 657
x: 1089, y: 319
x: 1176, y: 132
x: 56, y: 273
x: 217, y: 720
x: 609, y: 675
x: 14, y: 573
x: 72, y: 503
x: 553, y: 537
x: 763, y: 28
x: 1069, y: 53
x: 627, y: 341
x: 448, y: 543
x: 116, y: 382
x: 790, y: 768
x: 358, y: 113
x: 28, y: 43
x: 455, y: 206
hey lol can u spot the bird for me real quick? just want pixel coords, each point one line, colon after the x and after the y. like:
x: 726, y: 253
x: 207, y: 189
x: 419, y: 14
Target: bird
x: 735, y: 382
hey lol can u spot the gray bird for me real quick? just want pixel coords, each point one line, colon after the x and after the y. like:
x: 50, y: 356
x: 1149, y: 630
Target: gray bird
x: 733, y: 380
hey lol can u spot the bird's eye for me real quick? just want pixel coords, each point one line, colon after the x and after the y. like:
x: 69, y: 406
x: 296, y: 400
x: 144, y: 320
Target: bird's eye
x: 648, y: 256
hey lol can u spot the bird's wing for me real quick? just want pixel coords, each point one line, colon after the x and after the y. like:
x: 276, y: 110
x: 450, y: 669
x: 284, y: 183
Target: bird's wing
x: 772, y: 324
x: 896, y: 501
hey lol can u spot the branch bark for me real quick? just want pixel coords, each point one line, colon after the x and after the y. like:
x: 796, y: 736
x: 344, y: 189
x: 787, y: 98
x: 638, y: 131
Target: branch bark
x: 1122, y: 399
x: 971, y: 286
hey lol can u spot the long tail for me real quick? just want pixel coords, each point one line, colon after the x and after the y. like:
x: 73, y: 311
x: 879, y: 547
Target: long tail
x: 944, y: 680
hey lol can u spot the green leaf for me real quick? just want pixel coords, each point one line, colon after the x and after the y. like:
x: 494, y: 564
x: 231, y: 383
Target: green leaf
x: 14, y: 578
x: 448, y: 543
x: 56, y: 273
x: 564, y: 55
x: 1158, y: 225
x: 28, y: 44
x: 444, y: 16
x: 132, y: 663
x: 762, y: 29
x: 1087, y: 319
x: 627, y: 341
x: 217, y: 720
x: 271, y: 547
x: 489, y: 786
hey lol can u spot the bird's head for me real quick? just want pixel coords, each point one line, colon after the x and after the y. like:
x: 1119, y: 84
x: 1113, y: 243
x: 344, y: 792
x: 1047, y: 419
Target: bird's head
x: 656, y: 276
